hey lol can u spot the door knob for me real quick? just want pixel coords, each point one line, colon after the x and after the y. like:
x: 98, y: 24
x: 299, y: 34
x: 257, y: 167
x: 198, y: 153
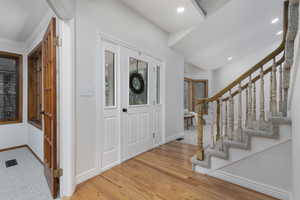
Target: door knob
x: 124, y: 110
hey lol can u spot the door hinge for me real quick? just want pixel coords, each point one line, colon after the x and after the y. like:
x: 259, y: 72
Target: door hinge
x: 58, y: 41
x: 58, y: 173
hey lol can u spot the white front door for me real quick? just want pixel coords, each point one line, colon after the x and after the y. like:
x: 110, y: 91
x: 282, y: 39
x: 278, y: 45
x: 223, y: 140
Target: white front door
x: 132, y: 110
x: 137, y: 103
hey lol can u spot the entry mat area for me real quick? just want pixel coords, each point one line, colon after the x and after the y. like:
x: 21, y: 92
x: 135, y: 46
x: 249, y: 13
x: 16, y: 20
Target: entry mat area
x: 23, y: 181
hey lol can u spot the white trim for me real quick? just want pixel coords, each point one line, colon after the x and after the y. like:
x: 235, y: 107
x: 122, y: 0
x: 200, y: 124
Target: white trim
x: 295, y: 71
x: 87, y: 175
x: 174, y: 137
x: 110, y: 166
x: 259, y: 187
x: 67, y: 110
x: 112, y: 39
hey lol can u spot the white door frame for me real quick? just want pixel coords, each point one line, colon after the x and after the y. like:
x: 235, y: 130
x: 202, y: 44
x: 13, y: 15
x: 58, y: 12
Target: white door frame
x: 99, y: 87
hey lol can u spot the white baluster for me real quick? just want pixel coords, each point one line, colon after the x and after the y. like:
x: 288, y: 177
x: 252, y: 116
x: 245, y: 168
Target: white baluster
x: 274, y: 90
x: 239, y: 132
x: 280, y: 90
x: 247, y: 107
x: 250, y: 102
x: 262, y: 96
x: 254, y: 103
x: 226, y: 120
x: 271, y: 83
x: 231, y: 116
x: 212, y: 130
x: 221, y: 125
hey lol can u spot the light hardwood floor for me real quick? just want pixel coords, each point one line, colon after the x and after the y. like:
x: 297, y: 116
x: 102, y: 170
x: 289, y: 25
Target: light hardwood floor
x: 163, y: 173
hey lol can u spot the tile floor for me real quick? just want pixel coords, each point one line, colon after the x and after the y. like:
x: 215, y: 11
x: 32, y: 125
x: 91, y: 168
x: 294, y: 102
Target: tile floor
x: 25, y: 181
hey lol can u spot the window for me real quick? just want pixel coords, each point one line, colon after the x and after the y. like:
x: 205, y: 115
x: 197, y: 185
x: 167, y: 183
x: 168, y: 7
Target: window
x: 138, y: 79
x: 109, y: 79
x: 35, y: 87
x: 158, y: 84
x: 10, y: 88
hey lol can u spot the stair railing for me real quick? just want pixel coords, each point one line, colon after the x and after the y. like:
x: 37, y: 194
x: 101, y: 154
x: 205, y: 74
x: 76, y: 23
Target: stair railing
x: 244, y: 89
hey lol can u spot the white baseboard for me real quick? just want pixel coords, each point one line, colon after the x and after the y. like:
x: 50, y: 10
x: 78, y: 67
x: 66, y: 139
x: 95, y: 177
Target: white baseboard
x: 253, y: 185
x: 110, y: 166
x: 174, y: 137
x: 87, y: 175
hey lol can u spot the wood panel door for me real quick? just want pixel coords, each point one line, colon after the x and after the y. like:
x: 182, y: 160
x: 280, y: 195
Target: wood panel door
x: 49, y: 105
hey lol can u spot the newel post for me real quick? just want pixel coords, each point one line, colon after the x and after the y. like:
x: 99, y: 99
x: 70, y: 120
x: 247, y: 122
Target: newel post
x: 200, y: 148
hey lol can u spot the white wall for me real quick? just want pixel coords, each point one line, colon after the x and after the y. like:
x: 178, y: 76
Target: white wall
x: 15, y: 134
x: 229, y: 72
x: 114, y: 18
x: 193, y: 72
x: 271, y: 167
x: 295, y: 115
x: 35, y: 141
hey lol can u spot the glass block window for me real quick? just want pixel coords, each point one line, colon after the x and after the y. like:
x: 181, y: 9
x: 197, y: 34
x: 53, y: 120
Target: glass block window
x: 9, y: 88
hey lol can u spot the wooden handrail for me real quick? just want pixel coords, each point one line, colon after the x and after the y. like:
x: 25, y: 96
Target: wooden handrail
x: 268, y: 70
x: 260, y: 64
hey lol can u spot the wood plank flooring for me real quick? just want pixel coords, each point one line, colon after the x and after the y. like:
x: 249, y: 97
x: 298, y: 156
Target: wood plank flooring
x: 163, y: 173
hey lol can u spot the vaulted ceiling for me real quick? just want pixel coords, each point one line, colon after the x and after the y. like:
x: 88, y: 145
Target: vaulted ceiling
x: 20, y: 17
x: 232, y: 28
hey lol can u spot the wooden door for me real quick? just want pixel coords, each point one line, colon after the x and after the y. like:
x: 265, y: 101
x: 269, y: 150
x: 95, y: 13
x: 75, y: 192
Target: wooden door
x: 49, y: 105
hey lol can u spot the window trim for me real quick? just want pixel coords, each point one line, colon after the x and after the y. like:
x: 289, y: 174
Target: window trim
x: 19, y: 59
x: 32, y: 122
x: 142, y: 59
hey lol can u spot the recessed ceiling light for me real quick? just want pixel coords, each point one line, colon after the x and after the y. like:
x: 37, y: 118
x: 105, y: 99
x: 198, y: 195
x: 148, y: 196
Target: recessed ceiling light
x: 180, y: 9
x: 229, y: 58
x: 279, y: 32
x: 274, y: 21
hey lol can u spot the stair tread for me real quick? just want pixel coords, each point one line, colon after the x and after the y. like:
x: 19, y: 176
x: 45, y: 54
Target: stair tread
x: 205, y: 163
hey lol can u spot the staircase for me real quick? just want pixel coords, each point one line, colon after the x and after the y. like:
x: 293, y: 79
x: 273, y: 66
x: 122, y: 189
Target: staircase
x: 243, y: 118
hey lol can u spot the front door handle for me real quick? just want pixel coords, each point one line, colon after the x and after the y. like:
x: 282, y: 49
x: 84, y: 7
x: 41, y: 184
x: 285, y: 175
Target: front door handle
x: 124, y: 110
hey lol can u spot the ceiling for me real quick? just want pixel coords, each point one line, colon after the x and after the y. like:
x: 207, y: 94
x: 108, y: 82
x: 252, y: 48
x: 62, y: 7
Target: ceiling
x: 237, y: 30
x: 232, y: 28
x: 19, y: 18
x: 163, y: 13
